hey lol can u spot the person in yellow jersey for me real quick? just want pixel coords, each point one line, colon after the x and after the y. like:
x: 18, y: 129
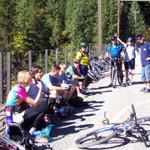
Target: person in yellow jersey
x: 83, y: 58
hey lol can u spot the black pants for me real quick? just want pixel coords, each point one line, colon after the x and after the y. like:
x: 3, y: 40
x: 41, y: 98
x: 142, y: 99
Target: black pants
x: 34, y: 116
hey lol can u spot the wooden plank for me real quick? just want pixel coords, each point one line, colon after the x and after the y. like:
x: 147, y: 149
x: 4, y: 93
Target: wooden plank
x: 1, y: 78
x: 8, y: 72
x: 136, y: 0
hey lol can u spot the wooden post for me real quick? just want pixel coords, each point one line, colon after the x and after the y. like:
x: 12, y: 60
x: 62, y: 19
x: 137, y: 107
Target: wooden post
x: 46, y: 60
x: 66, y: 57
x: 8, y: 72
x: 30, y: 59
x: 118, y: 19
x: 56, y: 56
x: 1, y: 78
x: 100, y: 27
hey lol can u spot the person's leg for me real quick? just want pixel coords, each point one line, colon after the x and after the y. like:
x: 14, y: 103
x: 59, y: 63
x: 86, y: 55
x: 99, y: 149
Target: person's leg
x: 143, y: 78
x: 126, y: 66
x: 147, y: 74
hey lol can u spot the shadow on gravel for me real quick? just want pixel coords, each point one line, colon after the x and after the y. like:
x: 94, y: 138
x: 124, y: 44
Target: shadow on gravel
x: 57, y: 132
x: 138, y: 82
x: 68, y: 125
x: 113, y: 143
x: 96, y: 92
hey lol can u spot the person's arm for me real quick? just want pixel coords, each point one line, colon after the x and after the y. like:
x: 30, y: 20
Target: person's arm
x: 124, y: 44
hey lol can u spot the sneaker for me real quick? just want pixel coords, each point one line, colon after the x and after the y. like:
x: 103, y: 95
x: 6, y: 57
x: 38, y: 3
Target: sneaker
x: 41, y: 140
x: 143, y: 89
x: 147, y: 91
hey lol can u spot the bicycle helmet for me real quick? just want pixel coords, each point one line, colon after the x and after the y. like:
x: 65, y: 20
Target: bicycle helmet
x: 113, y: 38
x: 83, y: 44
x: 129, y: 39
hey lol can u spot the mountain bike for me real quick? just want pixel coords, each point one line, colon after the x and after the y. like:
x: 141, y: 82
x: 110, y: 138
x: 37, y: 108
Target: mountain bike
x: 116, y: 72
x: 132, y: 126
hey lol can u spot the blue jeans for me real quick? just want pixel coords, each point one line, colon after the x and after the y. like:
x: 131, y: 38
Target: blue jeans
x: 146, y: 73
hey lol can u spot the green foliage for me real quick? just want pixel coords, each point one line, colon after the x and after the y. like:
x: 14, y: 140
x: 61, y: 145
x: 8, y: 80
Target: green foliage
x: 136, y: 22
x: 81, y: 21
x: 109, y: 19
x: 7, y: 13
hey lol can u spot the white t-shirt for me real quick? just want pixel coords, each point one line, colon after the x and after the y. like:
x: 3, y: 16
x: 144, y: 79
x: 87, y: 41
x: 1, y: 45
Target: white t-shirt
x: 130, y: 53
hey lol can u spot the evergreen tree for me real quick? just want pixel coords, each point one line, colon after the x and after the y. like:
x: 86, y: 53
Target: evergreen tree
x: 82, y: 23
x: 55, y: 11
x: 7, y: 12
x: 136, y: 23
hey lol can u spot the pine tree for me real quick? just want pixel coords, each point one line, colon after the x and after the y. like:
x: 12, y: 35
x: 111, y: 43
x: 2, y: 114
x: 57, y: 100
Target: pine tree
x: 7, y: 12
x: 136, y: 23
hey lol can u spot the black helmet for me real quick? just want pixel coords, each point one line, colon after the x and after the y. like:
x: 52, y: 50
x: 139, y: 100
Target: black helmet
x: 113, y: 38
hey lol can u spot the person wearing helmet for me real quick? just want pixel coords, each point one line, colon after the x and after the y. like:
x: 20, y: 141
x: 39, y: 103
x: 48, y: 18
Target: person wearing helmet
x: 83, y: 58
x: 144, y: 49
x: 129, y: 61
x: 115, y: 50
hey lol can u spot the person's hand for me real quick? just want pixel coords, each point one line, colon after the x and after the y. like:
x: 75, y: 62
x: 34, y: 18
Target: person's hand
x: 39, y: 85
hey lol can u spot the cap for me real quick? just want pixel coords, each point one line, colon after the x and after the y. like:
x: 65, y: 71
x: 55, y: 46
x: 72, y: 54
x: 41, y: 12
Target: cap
x: 83, y: 44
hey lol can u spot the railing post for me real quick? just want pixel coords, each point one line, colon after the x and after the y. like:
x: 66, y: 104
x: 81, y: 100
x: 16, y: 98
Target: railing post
x: 46, y: 60
x: 29, y: 59
x: 56, y: 56
x: 71, y: 56
x: 66, y: 57
x: 1, y: 78
x: 8, y: 72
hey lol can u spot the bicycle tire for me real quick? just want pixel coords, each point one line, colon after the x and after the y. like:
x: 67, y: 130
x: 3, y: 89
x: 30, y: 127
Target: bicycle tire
x: 114, y: 77
x: 120, y: 77
x: 91, y: 138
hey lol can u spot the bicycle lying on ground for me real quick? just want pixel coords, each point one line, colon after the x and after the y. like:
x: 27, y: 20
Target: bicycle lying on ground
x: 132, y: 127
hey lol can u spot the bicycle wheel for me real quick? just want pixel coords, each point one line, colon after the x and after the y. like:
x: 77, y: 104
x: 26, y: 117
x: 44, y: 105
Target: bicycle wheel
x: 96, y: 137
x: 114, y: 77
x: 120, y: 77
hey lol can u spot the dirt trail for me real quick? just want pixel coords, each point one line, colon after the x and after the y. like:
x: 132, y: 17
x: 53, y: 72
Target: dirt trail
x: 103, y: 98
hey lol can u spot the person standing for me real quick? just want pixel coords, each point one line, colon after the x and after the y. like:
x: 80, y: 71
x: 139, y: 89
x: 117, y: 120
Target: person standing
x: 144, y: 49
x: 129, y: 60
x: 115, y: 52
x: 84, y: 60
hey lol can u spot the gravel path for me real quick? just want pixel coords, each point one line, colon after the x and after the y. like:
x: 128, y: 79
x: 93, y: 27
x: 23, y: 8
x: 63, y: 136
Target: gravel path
x: 102, y: 98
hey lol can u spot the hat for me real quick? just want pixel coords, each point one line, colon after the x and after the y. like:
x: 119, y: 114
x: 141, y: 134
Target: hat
x: 76, y: 61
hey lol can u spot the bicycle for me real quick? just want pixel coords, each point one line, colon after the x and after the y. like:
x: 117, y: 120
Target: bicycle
x: 132, y: 127
x: 116, y: 72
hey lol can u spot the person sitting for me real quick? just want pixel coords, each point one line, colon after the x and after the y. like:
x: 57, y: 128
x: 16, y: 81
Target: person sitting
x: 74, y: 75
x: 52, y: 82
x: 21, y: 106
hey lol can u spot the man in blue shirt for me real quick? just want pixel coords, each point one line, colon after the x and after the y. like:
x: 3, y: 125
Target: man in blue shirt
x: 115, y: 52
x: 144, y: 48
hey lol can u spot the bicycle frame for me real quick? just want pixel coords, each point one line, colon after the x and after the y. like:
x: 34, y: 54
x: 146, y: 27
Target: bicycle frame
x: 116, y: 72
x: 129, y: 127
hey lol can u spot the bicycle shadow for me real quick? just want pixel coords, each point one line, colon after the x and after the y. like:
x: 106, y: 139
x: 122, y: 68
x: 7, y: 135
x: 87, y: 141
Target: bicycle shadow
x: 118, y: 142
